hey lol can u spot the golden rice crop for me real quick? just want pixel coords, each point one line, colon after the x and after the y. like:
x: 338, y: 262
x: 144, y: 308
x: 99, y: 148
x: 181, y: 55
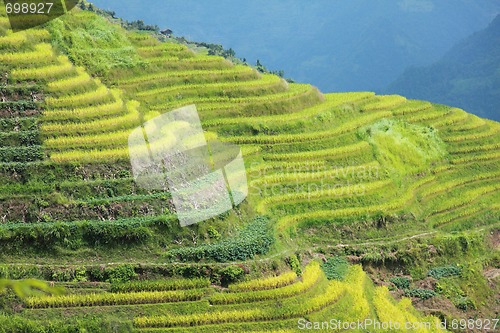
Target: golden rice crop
x: 400, y: 201
x: 325, y: 153
x: 263, y: 284
x: 67, y: 84
x: 87, y: 98
x: 312, y: 275
x: 288, y: 138
x: 332, y: 193
x: 91, y: 156
x: 331, y: 101
x: 61, y: 69
x: 127, y: 121
x: 41, y: 55
x: 143, y: 297
x: 99, y: 111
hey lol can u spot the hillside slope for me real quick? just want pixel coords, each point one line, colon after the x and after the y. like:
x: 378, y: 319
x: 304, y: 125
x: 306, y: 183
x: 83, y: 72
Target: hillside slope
x: 468, y: 76
x: 324, y: 169
x: 359, y: 45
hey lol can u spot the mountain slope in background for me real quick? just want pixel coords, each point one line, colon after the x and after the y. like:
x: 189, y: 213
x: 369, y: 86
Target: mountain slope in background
x: 335, y: 45
x: 468, y: 76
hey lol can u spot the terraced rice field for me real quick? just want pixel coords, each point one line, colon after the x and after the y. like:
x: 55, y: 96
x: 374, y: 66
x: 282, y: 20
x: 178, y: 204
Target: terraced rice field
x: 313, y: 159
x: 194, y: 306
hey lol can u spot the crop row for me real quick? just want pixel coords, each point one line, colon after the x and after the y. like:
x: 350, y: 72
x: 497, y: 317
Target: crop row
x: 295, y: 92
x: 18, y: 123
x: 159, y: 285
x: 68, y: 84
x: 199, y: 59
x: 473, y: 122
x: 395, y: 204
x: 168, y: 48
x: 411, y: 106
x: 442, y: 219
x: 109, y: 140
x: 403, y: 310
x: 210, y: 74
x: 355, y: 285
x: 139, y: 37
x: 179, y: 54
x: 16, y: 40
x: 259, y: 171
x: 293, y: 172
x: 331, y: 101
x: 329, y: 193
x: 21, y: 154
x: 273, y: 282
x: 198, y: 62
x: 288, y: 138
x: 257, y: 327
x: 98, y: 111
x: 123, y: 231
x: 325, y: 153
x: 400, y: 314
x: 41, y: 55
x: 20, y: 105
x: 209, y: 88
x: 492, y: 130
x: 13, y: 41
x: 91, y: 156
x: 475, y: 148
x: 38, y: 35
x: 457, y: 116
x: 431, y: 114
x: 349, y: 97
x: 312, y: 275
x: 130, y: 120
x: 446, y: 186
x: 100, y: 95
x: 62, y: 68
x: 20, y: 90
x: 19, y: 138
x: 467, y: 197
x: 477, y: 158
x: 307, y: 306
x: 102, y: 299
x: 384, y: 103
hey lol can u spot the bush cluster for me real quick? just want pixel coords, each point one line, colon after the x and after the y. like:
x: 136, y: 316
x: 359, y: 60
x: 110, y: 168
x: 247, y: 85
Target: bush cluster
x: 336, y: 268
x: 445, y: 271
x: 255, y: 238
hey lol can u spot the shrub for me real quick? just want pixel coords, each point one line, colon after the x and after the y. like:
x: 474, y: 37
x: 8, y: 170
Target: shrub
x: 445, y: 271
x: 255, y: 238
x: 122, y: 273
x: 231, y: 274
x: 420, y: 293
x: 465, y: 303
x: 294, y: 264
x: 335, y: 268
x: 401, y: 282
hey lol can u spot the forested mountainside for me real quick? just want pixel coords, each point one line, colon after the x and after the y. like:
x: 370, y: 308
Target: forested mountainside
x: 468, y: 75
